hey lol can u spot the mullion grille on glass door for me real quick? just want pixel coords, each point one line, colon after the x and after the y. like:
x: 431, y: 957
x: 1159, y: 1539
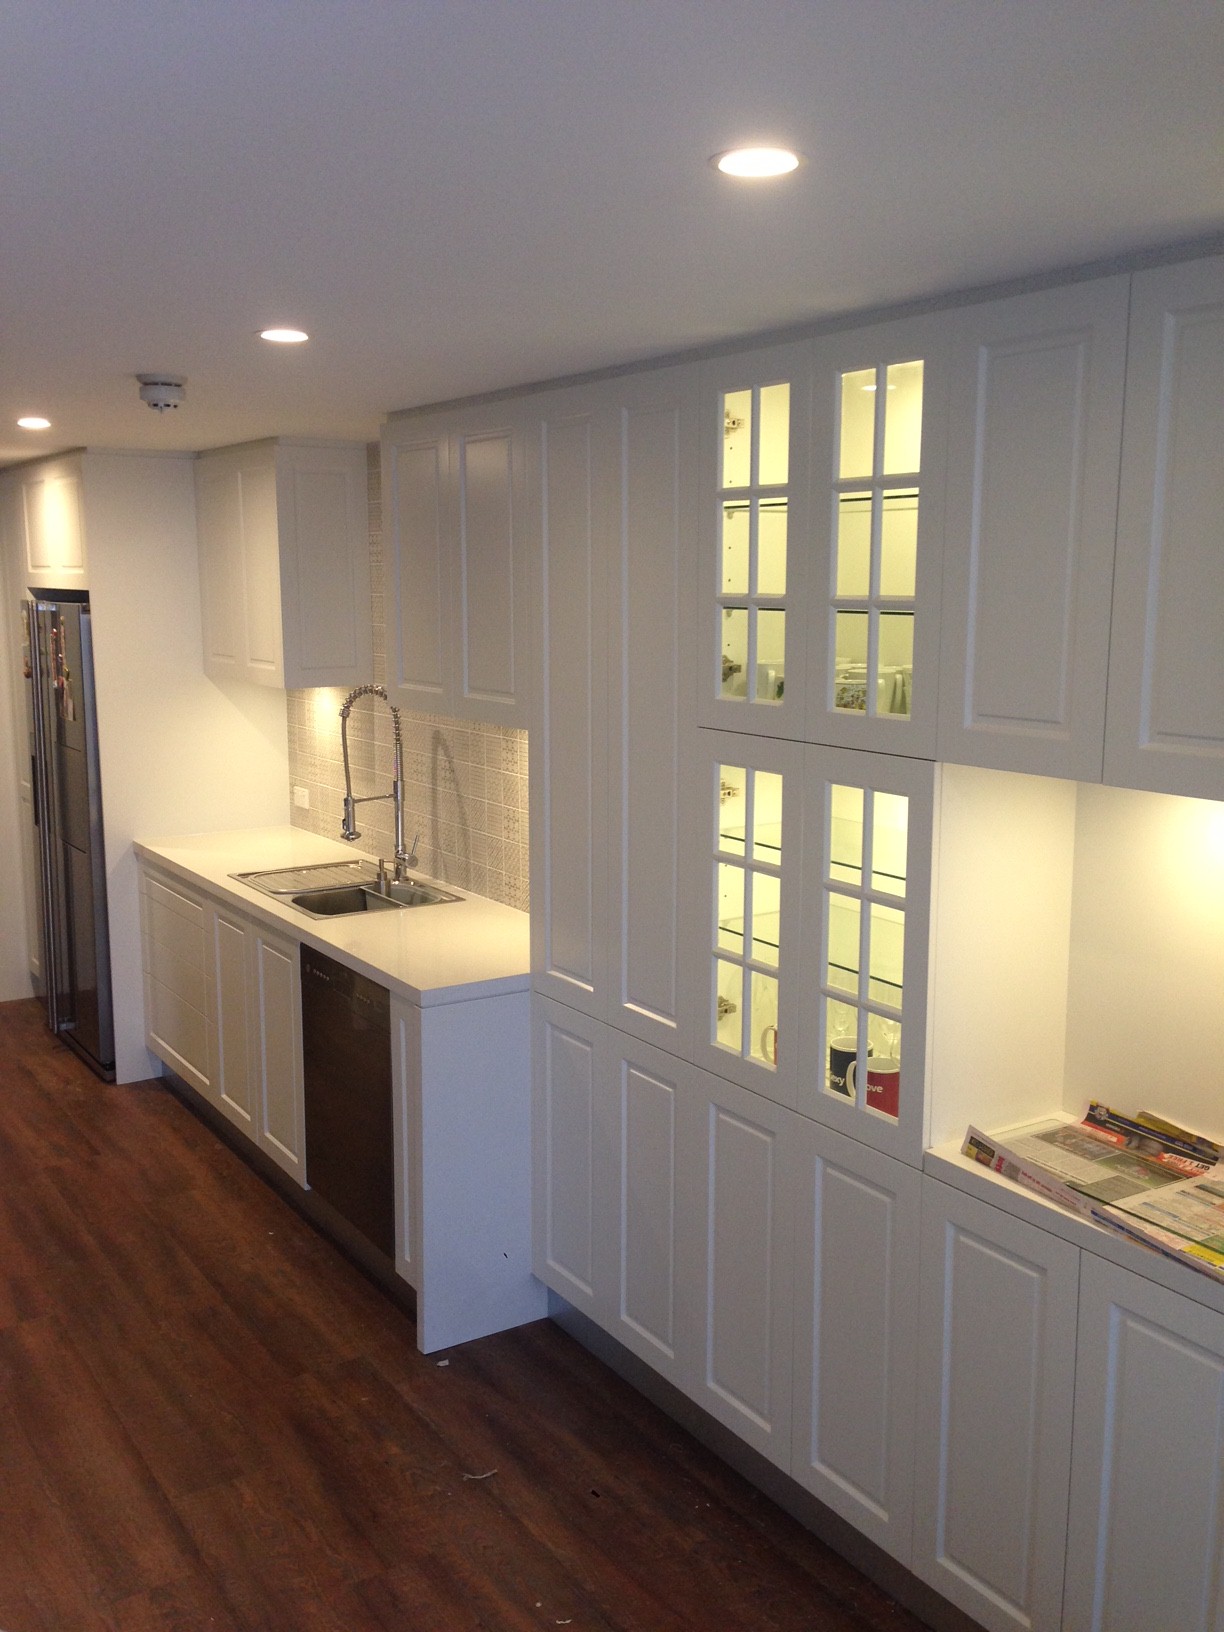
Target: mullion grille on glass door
x: 747, y: 915
x: 753, y: 513
x: 873, y: 606
x: 860, y: 909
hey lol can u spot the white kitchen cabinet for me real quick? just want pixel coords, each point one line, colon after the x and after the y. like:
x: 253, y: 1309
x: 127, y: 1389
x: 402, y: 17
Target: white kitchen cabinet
x: 573, y: 1185
x: 737, y: 1262
x: 856, y: 1332
x: 53, y: 525
x: 821, y: 538
x: 284, y: 563
x: 1165, y: 727
x: 460, y: 524
x: 223, y: 1011
x: 878, y: 420
x: 807, y: 927
x: 1034, y: 428
x: 756, y: 564
x: 996, y: 1376
x: 618, y: 473
x: 460, y: 1078
x: 1145, y: 1544
x: 570, y: 928
x: 180, y: 999
x: 613, y: 1123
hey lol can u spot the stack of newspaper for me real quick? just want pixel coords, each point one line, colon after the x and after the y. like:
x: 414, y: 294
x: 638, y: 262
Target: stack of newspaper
x: 1145, y: 1177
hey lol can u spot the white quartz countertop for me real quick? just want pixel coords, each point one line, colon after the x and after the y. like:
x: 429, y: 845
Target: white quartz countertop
x: 447, y: 953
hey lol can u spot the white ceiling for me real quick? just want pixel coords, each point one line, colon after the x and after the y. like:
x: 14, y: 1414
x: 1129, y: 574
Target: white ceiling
x: 458, y: 195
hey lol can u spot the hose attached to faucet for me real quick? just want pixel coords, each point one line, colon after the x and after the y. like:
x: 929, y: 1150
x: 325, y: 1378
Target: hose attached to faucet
x: 348, y: 826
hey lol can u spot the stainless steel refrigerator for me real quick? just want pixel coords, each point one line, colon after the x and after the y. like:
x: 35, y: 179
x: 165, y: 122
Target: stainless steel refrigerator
x: 75, y: 946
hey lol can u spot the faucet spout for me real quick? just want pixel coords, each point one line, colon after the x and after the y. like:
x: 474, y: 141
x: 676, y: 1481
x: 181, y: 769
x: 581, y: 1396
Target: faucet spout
x: 348, y: 826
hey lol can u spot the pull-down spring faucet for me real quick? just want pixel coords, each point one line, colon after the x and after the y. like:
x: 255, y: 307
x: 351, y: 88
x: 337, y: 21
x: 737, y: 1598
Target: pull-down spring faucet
x: 404, y: 858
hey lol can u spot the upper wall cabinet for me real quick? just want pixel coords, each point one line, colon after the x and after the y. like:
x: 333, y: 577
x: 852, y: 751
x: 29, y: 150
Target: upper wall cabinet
x: 821, y: 539
x: 755, y: 533
x: 878, y: 414
x: 618, y: 466
x: 1035, y: 423
x: 51, y: 527
x: 1165, y: 728
x: 284, y: 563
x: 458, y: 497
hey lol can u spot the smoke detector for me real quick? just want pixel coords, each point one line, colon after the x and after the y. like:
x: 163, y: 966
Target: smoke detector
x: 162, y: 391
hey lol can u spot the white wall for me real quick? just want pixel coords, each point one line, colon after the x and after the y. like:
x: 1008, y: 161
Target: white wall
x: 1145, y: 1023
x: 179, y: 753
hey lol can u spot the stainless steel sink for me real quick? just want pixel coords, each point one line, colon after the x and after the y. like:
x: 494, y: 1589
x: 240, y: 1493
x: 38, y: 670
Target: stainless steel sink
x: 339, y: 903
x: 338, y: 889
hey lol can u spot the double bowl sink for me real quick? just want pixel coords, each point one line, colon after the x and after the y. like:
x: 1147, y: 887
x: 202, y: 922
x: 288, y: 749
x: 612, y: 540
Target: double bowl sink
x: 333, y: 889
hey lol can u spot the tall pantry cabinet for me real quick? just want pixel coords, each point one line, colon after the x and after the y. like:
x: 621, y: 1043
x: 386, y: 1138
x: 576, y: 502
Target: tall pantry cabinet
x: 839, y: 640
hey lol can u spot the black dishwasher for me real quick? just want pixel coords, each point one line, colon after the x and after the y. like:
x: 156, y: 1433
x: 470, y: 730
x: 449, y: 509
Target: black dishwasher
x: 350, y: 1142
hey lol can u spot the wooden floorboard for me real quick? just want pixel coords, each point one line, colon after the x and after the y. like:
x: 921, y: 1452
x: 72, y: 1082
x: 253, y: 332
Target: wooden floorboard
x: 211, y: 1422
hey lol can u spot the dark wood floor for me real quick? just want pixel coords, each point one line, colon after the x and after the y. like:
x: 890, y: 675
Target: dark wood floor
x: 209, y: 1420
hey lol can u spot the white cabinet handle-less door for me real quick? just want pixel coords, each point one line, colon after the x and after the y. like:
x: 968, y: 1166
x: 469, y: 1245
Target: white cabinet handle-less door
x: 1165, y: 727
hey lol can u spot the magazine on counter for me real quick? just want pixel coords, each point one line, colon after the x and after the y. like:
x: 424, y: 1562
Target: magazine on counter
x: 1158, y: 1193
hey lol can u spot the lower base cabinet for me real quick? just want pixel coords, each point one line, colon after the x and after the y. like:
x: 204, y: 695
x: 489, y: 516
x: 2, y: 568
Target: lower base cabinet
x: 856, y: 1331
x: 222, y: 1010
x: 1145, y: 1546
x: 996, y: 1382
x: 763, y: 1265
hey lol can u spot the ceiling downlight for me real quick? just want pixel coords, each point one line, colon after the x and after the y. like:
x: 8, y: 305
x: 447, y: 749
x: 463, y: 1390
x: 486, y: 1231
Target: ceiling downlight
x: 34, y: 422
x: 756, y: 163
x: 284, y: 337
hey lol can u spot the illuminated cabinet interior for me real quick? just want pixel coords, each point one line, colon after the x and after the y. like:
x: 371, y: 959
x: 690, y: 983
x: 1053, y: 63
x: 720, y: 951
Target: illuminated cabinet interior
x: 755, y: 502
x: 1076, y: 953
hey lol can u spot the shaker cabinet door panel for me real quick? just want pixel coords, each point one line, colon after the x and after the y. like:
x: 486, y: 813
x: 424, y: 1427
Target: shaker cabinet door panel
x: 491, y: 579
x: 996, y: 1372
x: 461, y: 525
x: 652, y: 559
x: 737, y: 1262
x: 572, y: 1161
x: 856, y: 1333
x: 416, y: 511
x: 1166, y: 681
x: 1034, y: 429
x: 569, y: 750
x: 1145, y: 1547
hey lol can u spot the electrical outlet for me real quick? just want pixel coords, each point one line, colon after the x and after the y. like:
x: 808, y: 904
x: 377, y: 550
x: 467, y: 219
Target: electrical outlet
x: 301, y: 798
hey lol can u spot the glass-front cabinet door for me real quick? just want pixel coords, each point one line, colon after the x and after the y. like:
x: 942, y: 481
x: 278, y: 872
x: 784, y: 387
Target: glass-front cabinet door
x: 755, y: 541
x: 862, y: 989
x: 746, y: 923
x: 877, y: 477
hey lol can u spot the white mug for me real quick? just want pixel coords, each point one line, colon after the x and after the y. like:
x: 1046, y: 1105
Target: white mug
x: 769, y: 1044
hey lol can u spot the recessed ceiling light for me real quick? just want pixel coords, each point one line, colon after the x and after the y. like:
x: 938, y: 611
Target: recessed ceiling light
x: 756, y: 162
x: 284, y: 337
x: 34, y: 422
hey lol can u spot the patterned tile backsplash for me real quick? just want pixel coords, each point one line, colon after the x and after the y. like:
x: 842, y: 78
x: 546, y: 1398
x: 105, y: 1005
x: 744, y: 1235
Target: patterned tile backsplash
x: 465, y: 784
